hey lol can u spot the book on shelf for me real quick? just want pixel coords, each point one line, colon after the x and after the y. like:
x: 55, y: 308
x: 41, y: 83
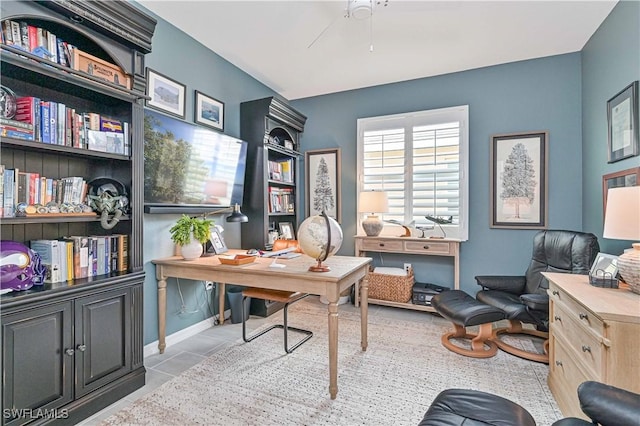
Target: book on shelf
x: 49, y: 251
x: 8, y: 202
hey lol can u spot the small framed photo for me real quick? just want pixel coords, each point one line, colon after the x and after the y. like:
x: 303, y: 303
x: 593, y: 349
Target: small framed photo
x: 208, y: 111
x: 167, y: 95
x: 218, y: 245
x: 286, y: 231
x: 622, y: 120
x: 518, y: 187
x: 605, y: 265
x: 628, y: 177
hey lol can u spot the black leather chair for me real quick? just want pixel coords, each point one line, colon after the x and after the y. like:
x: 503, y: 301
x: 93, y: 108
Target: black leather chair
x: 524, y: 298
x: 606, y: 406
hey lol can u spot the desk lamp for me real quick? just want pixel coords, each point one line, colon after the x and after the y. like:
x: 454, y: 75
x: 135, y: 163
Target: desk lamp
x: 373, y: 202
x: 622, y: 222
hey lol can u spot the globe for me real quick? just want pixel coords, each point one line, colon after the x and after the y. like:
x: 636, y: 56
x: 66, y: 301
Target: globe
x: 319, y: 237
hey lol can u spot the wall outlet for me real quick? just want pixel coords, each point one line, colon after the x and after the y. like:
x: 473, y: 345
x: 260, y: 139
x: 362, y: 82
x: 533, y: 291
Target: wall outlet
x: 208, y: 285
x: 407, y: 267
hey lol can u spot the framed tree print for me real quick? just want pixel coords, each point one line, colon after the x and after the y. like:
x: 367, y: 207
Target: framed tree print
x: 323, y: 182
x: 519, y: 180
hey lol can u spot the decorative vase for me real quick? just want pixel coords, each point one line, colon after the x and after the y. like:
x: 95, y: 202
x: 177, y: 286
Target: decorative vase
x: 192, y: 250
x: 629, y: 267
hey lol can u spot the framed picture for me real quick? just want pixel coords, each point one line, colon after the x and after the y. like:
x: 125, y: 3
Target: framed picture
x: 286, y: 231
x: 629, y: 177
x: 605, y: 265
x: 218, y: 245
x: 622, y: 120
x: 208, y: 111
x: 167, y: 95
x: 518, y: 188
x: 323, y: 183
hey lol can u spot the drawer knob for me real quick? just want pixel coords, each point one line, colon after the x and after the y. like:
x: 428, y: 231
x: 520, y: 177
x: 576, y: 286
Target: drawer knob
x: 426, y: 247
x: 586, y: 348
x: 557, y: 318
x: 555, y: 292
x: 70, y: 351
x: 82, y: 348
x: 381, y: 244
x: 583, y: 316
x: 559, y: 363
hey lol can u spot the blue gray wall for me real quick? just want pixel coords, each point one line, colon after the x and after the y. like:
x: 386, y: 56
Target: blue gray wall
x: 565, y: 95
x: 182, y: 58
x: 610, y: 61
x: 541, y: 94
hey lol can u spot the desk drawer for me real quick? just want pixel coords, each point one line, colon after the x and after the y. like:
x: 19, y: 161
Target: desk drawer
x: 566, y: 376
x: 579, y: 338
x: 381, y: 245
x: 577, y: 311
x: 427, y: 247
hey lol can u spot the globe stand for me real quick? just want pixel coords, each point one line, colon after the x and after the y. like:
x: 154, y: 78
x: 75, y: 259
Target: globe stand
x: 319, y: 267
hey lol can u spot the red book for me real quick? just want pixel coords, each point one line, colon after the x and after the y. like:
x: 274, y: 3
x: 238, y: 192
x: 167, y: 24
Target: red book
x: 26, y: 109
x: 34, y: 179
x: 33, y: 37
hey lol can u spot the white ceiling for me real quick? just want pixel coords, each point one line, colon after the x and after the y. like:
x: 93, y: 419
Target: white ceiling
x: 412, y: 39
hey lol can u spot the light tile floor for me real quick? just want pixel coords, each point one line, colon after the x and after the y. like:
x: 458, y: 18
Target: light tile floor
x: 181, y: 356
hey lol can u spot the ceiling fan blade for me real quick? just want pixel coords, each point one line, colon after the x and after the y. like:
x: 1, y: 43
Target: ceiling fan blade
x: 324, y: 31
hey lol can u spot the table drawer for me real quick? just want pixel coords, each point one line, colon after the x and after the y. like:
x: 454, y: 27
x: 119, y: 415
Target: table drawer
x: 577, y: 311
x: 427, y: 247
x: 580, y: 339
x: 381, y: 245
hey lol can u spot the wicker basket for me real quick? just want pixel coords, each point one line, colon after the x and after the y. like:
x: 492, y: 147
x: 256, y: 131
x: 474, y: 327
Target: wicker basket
x: 390, y: 287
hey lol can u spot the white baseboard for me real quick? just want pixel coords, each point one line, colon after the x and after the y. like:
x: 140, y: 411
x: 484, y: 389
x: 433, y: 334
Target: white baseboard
x: 185, y: 333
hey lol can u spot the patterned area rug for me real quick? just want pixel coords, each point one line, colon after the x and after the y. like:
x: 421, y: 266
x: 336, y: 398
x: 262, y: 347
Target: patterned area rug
x: 392, y: 383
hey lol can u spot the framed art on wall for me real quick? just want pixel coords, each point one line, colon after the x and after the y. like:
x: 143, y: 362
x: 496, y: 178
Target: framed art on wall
x: 208, y: 111
x: 323, y: 183
x: 519, y: 180
x: 622, y: 124
x: 629, y: 177
x: 167, y: 95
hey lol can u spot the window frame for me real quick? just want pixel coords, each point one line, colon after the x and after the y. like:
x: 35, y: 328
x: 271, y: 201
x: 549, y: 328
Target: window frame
x: 407, y: 121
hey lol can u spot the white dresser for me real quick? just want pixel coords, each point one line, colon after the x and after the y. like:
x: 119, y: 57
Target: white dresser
x: 594, y: 334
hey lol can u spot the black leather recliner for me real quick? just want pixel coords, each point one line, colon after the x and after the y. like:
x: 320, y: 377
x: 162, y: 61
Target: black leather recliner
x: 524, y: 299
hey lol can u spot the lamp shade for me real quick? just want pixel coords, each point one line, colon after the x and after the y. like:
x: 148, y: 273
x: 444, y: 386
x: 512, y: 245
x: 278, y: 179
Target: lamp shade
x: 622, y: 217
x: 373, y: 202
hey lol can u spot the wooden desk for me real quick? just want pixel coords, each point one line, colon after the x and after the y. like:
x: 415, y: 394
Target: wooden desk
x: 593, y: 335
x: 410, y: 245
x: 345, y: 271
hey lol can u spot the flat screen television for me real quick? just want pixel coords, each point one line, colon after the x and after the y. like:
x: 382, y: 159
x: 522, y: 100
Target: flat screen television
x: 188, y: 168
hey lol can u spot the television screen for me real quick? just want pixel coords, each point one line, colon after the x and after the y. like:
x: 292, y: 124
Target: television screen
x: 188, y: 168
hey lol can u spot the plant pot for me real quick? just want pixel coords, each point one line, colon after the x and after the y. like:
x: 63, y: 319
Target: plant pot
x: 192, y: 250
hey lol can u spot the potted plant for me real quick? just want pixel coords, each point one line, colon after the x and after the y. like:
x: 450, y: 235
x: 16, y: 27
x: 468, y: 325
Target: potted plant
x: 190, y: 233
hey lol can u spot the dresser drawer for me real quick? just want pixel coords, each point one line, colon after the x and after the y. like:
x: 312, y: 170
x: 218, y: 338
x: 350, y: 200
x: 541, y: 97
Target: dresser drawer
x: 427, y: 247
x: 581, y: 339
x: 564, y: 378
x: 381, y: 245
x: 581, y: 314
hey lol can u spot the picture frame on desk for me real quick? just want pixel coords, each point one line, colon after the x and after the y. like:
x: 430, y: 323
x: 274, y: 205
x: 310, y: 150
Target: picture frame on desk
x: 517, y: 158
x: 208, y: 111
x: 622, y: 124
x: 167, y: 95
x: 218, y: 246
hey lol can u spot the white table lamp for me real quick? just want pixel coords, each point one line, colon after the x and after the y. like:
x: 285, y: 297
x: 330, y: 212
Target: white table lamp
x: 373, y: 202
x: 622, y: 222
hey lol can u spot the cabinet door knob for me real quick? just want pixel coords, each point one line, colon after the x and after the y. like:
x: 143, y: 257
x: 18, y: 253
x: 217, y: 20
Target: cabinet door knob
x: 82, y: 348
x: 559, y: 363
x: 557, y: 318
x: 583, y: 316
x: 70, y: 351
x: 555, y: 292
x: 586, y: 348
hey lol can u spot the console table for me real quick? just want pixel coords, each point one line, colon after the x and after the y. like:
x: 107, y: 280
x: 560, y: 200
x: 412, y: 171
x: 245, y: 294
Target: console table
x: 413, y: 246
x: 594, y: 334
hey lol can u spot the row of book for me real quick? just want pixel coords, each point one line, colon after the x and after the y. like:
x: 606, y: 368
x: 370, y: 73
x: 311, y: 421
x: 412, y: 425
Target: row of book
x: 38, y: 41
x: 281, y: 200
x: 17, y: 187
x: 74, y: 257
x: 281, y: 170
x: 55, y: 123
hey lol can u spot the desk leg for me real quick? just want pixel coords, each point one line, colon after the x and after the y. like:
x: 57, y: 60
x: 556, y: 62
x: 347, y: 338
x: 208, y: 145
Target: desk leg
x: 364, y: 314
x: 162, y: 314
x: 221, y: 289
x: 333, y: 349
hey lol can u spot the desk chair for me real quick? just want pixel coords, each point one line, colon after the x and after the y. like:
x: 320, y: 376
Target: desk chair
x: 286, y: 297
